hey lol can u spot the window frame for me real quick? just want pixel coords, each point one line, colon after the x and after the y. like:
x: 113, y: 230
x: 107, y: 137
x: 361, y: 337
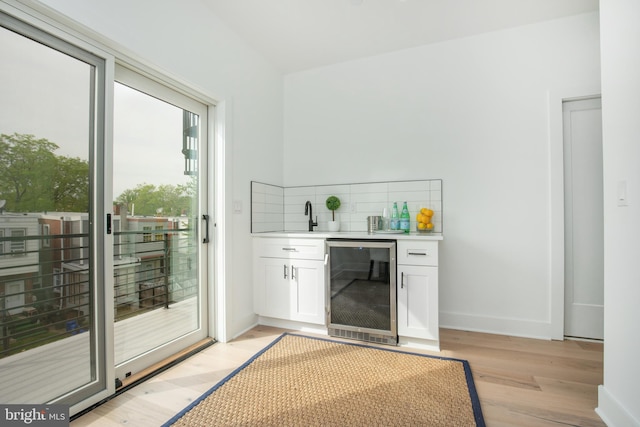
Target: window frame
x: 45, y: 230
x: 146, y: 234
x: 18, y: 248
x: 158, y: 237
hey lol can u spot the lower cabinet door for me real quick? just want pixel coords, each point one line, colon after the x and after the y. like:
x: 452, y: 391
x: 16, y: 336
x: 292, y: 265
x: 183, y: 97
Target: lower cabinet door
x: 307, y: 293
x: 290, y: 289
x: 273, y: 285
x: 417, y: 290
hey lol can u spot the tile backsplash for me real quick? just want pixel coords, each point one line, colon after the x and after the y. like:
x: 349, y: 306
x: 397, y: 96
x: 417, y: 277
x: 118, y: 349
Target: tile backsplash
x: 275, y: 208
x: 267, y: 207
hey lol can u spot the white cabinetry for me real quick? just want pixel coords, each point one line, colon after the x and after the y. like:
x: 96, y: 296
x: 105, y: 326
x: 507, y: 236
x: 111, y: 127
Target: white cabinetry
x: 417, y: 291
x: 288, y: 279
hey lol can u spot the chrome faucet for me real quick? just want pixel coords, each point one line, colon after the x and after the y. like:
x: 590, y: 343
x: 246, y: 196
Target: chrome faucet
x: 308, y: 210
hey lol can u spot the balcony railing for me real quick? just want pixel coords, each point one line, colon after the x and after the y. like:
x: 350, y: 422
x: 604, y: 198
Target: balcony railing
x: 45, y: 288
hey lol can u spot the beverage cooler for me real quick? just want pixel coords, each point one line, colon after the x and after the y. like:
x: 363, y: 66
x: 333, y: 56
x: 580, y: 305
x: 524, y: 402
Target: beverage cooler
x: 361, y: 290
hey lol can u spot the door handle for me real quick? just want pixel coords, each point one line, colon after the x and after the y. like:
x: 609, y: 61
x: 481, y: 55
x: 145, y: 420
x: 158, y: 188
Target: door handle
x: 206, y: 228
x: 293, y: 272
x: 285, y: 270
x: 402, y: 280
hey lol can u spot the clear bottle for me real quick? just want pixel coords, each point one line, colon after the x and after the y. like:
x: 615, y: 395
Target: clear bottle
x: 405, y: 219
x: 395, y: 217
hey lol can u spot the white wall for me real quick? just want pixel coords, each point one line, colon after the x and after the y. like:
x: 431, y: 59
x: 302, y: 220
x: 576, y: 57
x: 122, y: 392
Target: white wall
x: 474, y: 112
x: 188, y: 41
x: 619, y: 399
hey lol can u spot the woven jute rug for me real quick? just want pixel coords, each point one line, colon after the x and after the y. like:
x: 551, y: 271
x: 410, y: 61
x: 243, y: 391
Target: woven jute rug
x: 304, y: 381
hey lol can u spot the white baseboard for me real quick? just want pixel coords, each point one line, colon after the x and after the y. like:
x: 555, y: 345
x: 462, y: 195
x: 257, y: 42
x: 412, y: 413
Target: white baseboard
x: 238, y: 327
x: 422, y: 344
x: 290, y: 324
x: 612, y: 412
x: 246, y: 329
x: 496, y: 325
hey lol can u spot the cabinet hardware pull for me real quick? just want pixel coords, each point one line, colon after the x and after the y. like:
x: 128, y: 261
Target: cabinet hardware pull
x: 285, y: 270
x: 290, y: 249
x: 293, y: 272
x: 417, y: 253
x: 402, y: 280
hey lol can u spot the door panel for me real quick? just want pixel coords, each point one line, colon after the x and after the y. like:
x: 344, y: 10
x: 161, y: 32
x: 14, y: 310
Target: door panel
x: 584, y: 230
x: 157, y: 182
x: 274, y: 277
x: 307, y: 299
x: 419, y: 287
x: 51, y: 115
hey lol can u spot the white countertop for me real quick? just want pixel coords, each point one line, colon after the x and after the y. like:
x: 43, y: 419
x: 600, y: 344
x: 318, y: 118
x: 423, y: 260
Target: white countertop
x: 350, y: 235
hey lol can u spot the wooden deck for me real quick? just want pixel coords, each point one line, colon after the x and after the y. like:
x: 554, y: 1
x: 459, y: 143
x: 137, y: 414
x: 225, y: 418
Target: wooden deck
x: 39, y: 374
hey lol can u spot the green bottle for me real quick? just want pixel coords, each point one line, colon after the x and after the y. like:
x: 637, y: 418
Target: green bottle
x: 405, y: 219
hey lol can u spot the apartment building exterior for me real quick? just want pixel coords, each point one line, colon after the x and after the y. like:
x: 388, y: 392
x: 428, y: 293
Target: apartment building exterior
x: 45, y: 269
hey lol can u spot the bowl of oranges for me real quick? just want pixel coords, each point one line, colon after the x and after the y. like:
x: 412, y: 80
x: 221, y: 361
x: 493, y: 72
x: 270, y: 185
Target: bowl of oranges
x: 423, y: 221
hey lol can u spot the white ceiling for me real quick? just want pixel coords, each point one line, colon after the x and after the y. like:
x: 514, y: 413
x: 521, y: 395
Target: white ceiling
x: 296, y: 35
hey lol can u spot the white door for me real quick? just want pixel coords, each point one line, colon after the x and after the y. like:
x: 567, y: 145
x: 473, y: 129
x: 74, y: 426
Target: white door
x: 584, y: 239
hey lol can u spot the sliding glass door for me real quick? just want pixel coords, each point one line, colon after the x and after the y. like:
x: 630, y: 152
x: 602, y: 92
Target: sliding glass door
x: 104, y: 241
x: 52, y: 326
x: 159, y: 187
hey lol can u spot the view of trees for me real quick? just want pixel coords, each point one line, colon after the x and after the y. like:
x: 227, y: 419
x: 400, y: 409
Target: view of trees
x: 35, y: 179
x: 163, y: 200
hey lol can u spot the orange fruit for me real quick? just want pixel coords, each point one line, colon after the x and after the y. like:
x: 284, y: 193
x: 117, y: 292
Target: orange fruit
x: 427, y: 212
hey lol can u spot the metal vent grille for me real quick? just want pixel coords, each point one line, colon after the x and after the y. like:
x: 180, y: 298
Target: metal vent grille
x: 363, y: 336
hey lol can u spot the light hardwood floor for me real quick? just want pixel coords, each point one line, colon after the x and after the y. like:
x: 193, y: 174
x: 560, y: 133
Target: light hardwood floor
x: 520, y: 382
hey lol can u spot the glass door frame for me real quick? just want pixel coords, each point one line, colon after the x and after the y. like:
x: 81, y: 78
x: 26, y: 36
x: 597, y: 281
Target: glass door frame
x: 135, y: 79
x: 34, y: 26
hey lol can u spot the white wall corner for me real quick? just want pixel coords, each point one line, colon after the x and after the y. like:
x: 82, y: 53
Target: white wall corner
x: 612, y: 412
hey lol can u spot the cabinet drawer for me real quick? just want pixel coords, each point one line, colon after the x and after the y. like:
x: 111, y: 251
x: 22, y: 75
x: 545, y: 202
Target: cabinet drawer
x: 412, y: 252
x: 289, y: 248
